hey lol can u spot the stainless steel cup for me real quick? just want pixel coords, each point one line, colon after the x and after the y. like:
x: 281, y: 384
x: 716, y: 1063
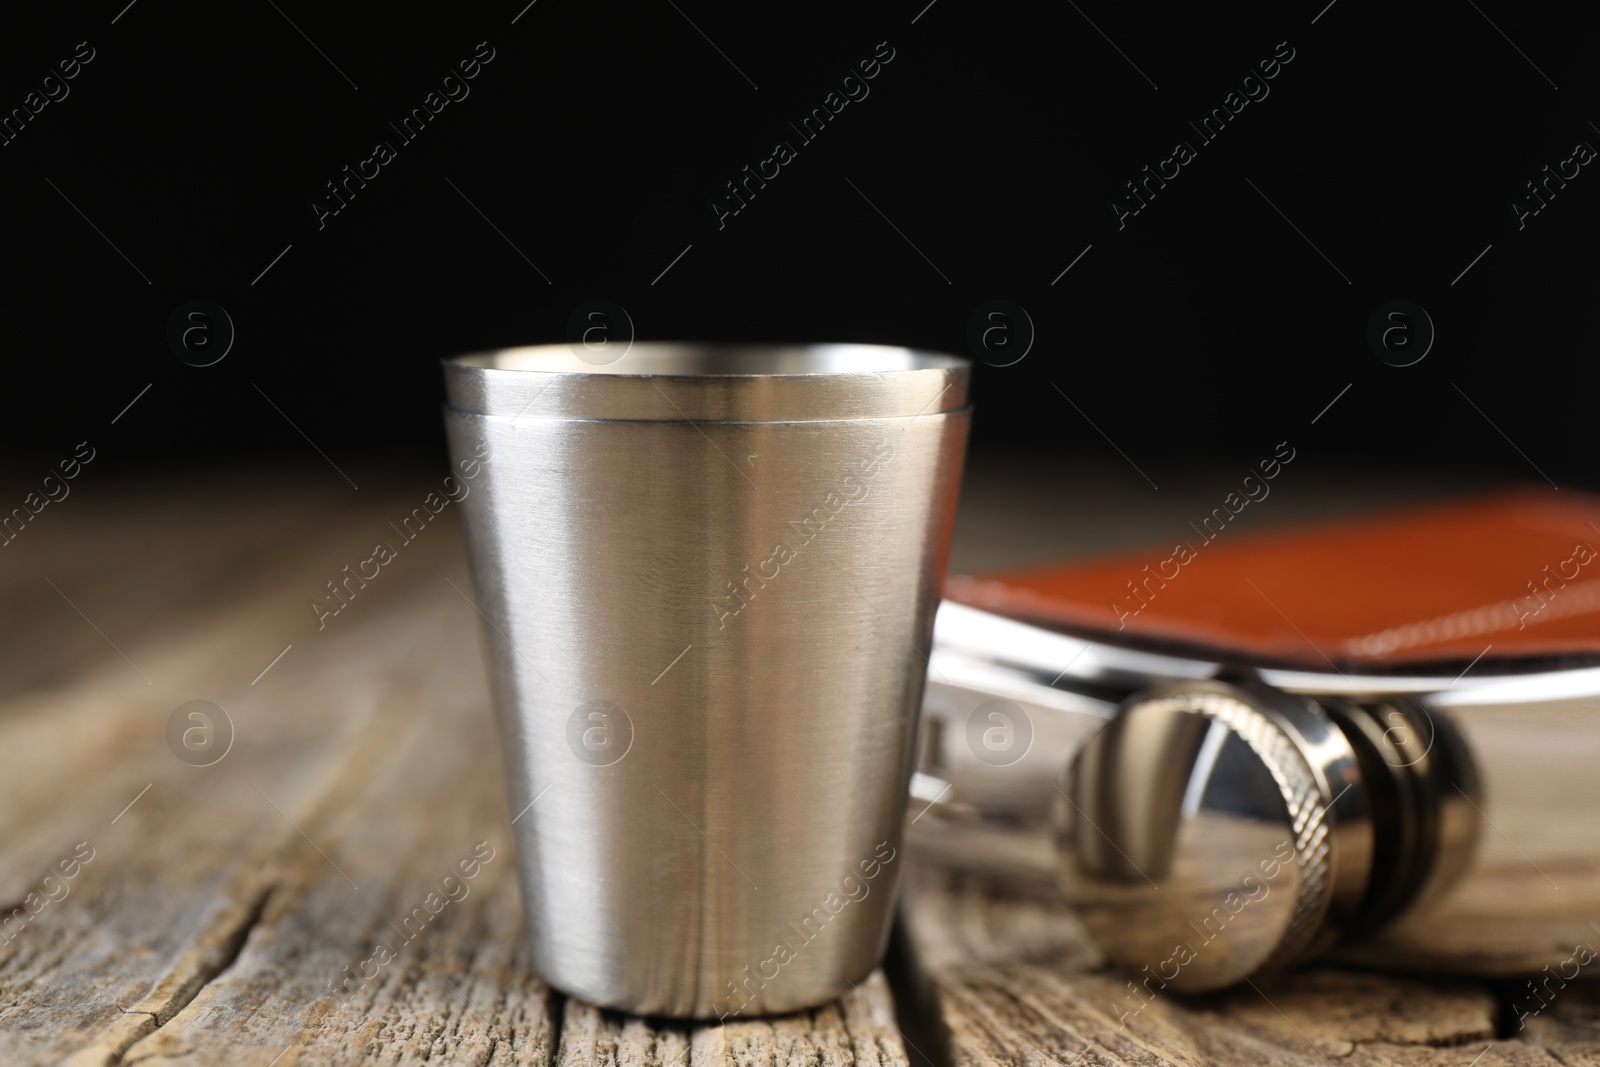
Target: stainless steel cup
x: 710, y: 576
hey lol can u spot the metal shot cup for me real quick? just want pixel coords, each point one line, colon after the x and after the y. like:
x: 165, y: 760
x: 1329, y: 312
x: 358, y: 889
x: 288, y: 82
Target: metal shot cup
x: 710, y: 576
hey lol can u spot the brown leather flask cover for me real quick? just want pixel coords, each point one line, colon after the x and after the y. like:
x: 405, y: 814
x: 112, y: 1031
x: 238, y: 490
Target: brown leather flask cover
x: 1510, y: 576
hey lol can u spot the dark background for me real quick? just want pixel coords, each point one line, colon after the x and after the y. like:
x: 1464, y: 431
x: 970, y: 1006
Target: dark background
x: 199, y: 135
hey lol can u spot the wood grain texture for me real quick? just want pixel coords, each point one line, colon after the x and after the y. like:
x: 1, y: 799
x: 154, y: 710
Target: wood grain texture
x: 857, y: 1030
x: 224, y: 906
x: 234, y: 913
x: 1019, y: 986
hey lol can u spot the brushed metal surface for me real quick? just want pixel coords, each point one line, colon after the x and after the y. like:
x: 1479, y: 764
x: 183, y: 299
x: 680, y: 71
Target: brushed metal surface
x: 706, y: 639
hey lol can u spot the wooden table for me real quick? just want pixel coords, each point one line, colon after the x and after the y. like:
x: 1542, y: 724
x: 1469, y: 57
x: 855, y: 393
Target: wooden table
x: 220, y: 906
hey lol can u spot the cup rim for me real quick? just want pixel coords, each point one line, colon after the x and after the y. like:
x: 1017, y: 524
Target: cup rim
x: 713, y: 381
x: 832, y: 359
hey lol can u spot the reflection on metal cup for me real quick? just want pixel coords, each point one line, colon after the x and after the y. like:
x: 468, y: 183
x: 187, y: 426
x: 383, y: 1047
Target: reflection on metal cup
x: 710, y: 576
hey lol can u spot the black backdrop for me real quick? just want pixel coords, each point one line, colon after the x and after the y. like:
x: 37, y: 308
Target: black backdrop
x: 1382, y: 160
